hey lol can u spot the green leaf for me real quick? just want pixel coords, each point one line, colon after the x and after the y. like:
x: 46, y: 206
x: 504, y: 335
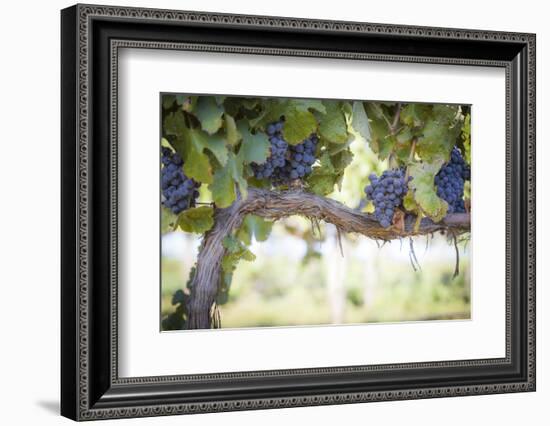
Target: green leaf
x: 254, y: 226
x: 191, y: 144
x: 168, y: 220
x: 231, y: 132
x: 437, y: 140
x: 255, y: 147
x: 309, y: 104
x: 439, y: 134
x: 237, y: 171
x: 174, y: 125
x: 409, y: 203
x: 235, y: 251
x: 197, y: 220
x: 272, y: 111
x: 380, y: 141
x: 414, y: 115
x: 341, y: 160
x: 216, y: 145
x: 223, y: 185
x: 196, y: 163
x: 333, y: 124
x: 403, y: 144
x: 168, y: 101
x: 466, y: 135
x: 209, y: 114
x: 165, y: 143
x: 360, y: 121
x: 424, y: 190
x: 299, y: 125
x: 323, y: 177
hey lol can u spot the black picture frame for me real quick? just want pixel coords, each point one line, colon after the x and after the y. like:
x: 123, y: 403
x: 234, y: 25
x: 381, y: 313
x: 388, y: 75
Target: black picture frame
x: 90, y: 386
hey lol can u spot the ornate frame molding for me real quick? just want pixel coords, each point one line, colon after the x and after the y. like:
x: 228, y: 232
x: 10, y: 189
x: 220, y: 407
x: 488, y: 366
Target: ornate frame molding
x: 82, y: 17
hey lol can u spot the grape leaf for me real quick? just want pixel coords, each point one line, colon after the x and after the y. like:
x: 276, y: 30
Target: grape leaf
x: 439, y: 134
x: 403, y: 143
x: 197, y: 165
x: 424, y: 190
x: 254, y: 226
x: 223, y: 187
x: 215, y: 144
x: 437, y: 140
x: 255, y: 147
x: 466, y: 135
x: 409, y: 203
x: 232, y: 134
x: 174, y: 125
x: 323, y: 177
x: 332, y: 125
x: 360, y: 121
x: 309, y: 104
x: 235, y: 251
x: 165, y: 143
x: 209, y: 114
x: 341, y: 159
x: 299, y: 124
x: 414, y: 115
x: 273, y: 110
x: 380, y: 141
x: 168, y: 101
x: 237, y: 171
x: 197, y: 220
x: 191, y: 144
x: 168, y: 220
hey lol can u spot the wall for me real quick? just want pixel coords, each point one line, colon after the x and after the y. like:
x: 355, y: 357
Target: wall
x: 29, y: 225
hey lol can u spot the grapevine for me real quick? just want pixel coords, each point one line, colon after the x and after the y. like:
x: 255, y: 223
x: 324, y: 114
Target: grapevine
x: 262, y: 159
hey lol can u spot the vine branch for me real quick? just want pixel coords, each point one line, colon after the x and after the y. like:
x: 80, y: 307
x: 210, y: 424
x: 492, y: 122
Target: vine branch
x: 276, y: 205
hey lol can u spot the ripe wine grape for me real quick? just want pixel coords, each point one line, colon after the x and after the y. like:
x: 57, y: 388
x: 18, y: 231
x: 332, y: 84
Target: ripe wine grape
x: 387, y: 192
x: 286, y: 162
x: 450, y: 182
x: 178, y: 191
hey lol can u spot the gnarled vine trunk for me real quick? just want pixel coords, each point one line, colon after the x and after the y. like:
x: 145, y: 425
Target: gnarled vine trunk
x: 276, y: 205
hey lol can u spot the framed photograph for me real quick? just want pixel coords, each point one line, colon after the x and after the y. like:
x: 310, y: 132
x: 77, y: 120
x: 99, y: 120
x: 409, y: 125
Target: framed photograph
x: 263, y: 212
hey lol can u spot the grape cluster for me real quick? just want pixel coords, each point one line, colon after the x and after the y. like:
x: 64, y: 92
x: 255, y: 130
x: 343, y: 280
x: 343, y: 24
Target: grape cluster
x: 387, y: 192
x: 450, y: 182
x: 178, y: 191
x: 286, y: 162
x: 278, y: 150
x: 298, y: 164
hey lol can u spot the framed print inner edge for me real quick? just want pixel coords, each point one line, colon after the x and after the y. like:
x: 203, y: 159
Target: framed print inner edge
x: 89, y: 406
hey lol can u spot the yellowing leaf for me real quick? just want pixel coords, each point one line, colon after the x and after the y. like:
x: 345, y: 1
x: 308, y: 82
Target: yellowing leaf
x: 197, y: 220
x: 299, y: 125
x: 231, y: 132
x: 424, y: 190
